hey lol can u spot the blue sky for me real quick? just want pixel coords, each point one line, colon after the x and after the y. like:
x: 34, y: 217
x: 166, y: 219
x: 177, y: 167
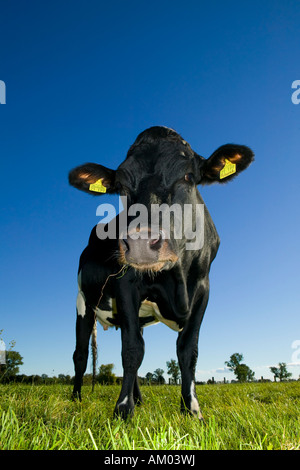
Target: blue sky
x: 82, y: 80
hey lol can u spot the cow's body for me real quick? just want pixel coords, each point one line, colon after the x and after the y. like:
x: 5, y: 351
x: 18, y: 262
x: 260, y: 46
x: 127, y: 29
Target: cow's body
x: 163, y: 281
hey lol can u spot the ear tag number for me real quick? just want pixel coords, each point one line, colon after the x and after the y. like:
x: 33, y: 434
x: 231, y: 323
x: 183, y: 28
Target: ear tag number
x: 228, y: 169
x: 98, y: 187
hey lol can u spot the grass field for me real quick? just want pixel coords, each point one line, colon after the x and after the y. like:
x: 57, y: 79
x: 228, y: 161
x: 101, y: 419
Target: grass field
x: 238, y: 416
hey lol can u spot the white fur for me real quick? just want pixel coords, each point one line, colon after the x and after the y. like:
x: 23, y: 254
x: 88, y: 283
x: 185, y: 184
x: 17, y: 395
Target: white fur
x: 147, y: 309
x: 150, y: 308
x: 102, y: 316
x: 80, y: 304
x: 124, y: 401
x: 194, y: 402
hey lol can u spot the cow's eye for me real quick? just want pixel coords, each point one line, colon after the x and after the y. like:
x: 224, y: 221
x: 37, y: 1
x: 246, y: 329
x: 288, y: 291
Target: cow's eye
x: 189, y: 177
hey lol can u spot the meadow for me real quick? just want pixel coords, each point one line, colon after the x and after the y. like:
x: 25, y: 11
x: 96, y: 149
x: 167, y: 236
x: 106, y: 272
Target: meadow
x: 250, y: 416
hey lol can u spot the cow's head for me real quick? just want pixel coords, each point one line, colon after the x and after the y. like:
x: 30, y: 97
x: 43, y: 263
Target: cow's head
x: 160, y: 171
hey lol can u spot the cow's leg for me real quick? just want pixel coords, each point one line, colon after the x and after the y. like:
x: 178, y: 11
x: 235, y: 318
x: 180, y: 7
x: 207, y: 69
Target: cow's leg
x: 132, y: 356
x: 187, y: 352
x: 84, y: 326
x: 137, y: 396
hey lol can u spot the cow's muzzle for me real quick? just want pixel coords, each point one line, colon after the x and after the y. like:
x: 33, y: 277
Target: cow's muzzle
x: 145, y: 250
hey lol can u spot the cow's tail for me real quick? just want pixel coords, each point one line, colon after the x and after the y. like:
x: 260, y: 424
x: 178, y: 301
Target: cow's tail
x: 124, y: 268
x: 94, y: 351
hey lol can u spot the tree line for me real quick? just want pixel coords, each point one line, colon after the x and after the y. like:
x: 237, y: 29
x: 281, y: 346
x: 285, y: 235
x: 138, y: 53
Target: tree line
x: 243, y: 372
x: 11, y: 361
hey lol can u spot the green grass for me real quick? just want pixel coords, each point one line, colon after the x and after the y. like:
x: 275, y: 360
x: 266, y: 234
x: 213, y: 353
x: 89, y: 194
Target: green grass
x: 238, y: 416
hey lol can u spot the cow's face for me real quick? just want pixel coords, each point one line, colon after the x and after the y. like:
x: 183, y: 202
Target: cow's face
x: 158, y: 180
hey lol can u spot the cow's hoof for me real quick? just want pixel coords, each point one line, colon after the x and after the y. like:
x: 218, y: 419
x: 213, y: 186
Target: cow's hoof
x: 196, y: 413
x: 76, y: 396
x: 123, y: 411
x: 138, y: 401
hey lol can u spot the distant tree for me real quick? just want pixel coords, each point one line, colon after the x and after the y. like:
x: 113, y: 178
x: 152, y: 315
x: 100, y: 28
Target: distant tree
x: 13, y: 361
x: 63, y: 379
x: 234, y: 361
x: 275, y: 372
x: 280, y: 372
x: 44, y: 378
x: 158, y: 376
x: 173, y: 370
x: 149, y: 377
x: 10, y: 363
x: 87, y: 379
x: 106, y: 375
x: 242, y: 371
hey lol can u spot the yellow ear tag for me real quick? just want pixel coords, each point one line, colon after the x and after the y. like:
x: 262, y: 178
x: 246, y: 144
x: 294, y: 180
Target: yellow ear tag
x: 228, y: 169
x: 98, y: 187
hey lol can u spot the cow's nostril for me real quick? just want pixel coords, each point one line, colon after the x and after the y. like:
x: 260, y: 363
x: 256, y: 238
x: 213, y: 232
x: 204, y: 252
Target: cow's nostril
x: 155, y: 243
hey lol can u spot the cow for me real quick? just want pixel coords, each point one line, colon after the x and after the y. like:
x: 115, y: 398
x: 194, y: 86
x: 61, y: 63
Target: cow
x: 143, y: 275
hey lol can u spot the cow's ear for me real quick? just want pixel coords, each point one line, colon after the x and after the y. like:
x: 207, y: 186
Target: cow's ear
x: 225, y: 163
x: 93, y: 179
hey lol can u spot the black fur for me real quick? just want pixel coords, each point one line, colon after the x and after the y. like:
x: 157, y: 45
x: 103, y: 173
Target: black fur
x: 159, y: 161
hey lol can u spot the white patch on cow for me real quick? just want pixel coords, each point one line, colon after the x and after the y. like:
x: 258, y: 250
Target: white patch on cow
x: 80, y: 304
x: 123, y: 402
x: 103, y: 315
x: 194, y: 402
x: 149, y: 309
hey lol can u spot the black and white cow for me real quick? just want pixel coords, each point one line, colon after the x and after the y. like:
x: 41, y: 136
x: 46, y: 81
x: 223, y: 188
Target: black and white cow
x: 163, y: 280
